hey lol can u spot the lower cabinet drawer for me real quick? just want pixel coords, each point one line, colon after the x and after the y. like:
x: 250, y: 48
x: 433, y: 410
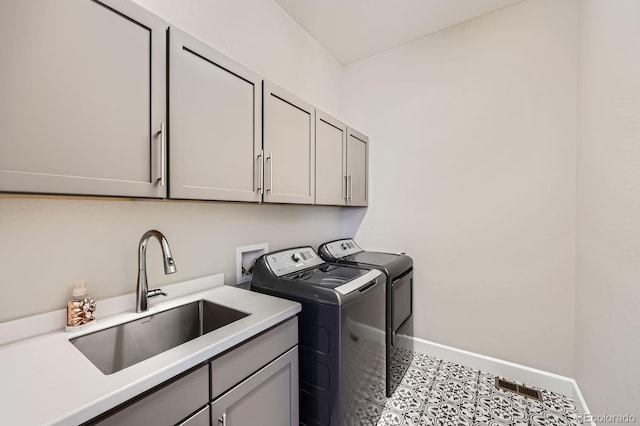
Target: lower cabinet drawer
x: 168, y: 405
x: 240, y: 362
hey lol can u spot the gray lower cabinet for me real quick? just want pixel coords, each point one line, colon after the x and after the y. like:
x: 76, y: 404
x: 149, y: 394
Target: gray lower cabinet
x: 215, y: 133
x: 331, y: 160
x: 357, y: 168
x: 267, y: 398
x: 168, y: 405
x: 83, y: 98
x: 289, y: 147
x: 254, y: 383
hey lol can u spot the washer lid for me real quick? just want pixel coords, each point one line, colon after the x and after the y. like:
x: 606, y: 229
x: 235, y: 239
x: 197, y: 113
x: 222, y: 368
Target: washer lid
x: 330, y: 276
x: 339, y: 278
x: 393, y: 264
x: 372, y: 258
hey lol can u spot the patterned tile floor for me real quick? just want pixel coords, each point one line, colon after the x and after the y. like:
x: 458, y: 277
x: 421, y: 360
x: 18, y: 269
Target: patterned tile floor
x: 436, y: 392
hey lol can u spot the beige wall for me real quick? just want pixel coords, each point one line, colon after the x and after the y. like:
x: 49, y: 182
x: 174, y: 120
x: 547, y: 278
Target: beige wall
x: 608, y: 244
x: 473, y: 152
x: 46, y: 244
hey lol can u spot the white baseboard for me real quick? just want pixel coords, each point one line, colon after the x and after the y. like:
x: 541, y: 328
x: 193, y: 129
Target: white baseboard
x: 530, y: 376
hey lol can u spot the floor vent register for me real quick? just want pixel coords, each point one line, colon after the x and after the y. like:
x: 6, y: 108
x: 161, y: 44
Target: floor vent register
x: 519, y: 389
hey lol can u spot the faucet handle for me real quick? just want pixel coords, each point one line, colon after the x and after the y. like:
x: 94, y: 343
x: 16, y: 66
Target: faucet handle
x: 155, y: 293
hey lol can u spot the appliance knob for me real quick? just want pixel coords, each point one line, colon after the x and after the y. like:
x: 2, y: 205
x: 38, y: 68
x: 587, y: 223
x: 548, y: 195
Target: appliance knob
x: 295, y: 257
x: 345, y: 246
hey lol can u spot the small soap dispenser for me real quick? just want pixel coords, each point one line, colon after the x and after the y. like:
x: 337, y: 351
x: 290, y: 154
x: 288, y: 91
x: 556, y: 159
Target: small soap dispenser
x: 81, y: 308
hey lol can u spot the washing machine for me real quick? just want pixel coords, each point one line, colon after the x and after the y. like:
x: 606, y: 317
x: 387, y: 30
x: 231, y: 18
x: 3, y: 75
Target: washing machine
x: 398, y: 271
x: 342, y: 349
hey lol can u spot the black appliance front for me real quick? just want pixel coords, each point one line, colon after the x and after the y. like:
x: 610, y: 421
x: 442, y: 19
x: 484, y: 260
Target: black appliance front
x: 398, y: 269
x: 341, y: 336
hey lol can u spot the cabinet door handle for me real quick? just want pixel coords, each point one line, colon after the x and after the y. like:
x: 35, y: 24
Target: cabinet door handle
x: 158, y: 167
x: 223, y: 420
x: 350, y: 187
x: 345, y: 188
x: 261, y: 172
x: 270, y: 158
x: 163, y: 152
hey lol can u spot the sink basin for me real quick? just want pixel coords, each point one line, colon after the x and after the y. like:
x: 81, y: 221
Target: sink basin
x: 124, y: 345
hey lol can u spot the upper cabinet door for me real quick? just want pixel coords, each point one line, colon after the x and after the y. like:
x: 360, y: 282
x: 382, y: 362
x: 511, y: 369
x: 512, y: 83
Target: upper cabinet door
x: 83, y: 98
x: 288, y: 147
x: 215, y: 124
x: 331, y: 163
x: 357, y: 168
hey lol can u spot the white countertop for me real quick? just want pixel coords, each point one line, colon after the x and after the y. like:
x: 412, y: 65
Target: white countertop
x: 46, y: 380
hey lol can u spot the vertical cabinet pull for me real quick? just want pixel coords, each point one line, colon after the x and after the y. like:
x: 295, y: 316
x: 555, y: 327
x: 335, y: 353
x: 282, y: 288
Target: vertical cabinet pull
x: 160, y: 163
x: 223, y: 420
x: 350, y: 192
x: 345, y: 188
x: 163, y: 153
x: 261, y: 172
x: 270, y: 158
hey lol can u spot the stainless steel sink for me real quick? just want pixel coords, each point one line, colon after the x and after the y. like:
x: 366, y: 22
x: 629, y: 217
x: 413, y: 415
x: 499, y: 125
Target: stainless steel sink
x: 124, y: 345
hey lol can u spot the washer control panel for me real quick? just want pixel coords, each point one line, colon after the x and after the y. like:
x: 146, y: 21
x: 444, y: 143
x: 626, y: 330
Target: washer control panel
x: 341, y: 248
x: 288, y: 261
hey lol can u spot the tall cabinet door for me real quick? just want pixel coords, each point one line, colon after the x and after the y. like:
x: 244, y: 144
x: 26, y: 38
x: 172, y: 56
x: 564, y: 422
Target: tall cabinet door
x: 215, y: 124
x: 83, y: 98
x: 288, y: 145
x: 357, y: 168
x: 267, y: 398
x: 331, y: 163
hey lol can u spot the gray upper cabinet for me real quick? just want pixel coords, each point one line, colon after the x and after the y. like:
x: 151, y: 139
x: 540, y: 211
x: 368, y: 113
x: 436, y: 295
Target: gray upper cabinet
x: 342, y: 160
x: 215, y: 124
x: 357, y: 168
x: 288, y: 144
x: 83, y: 98
x: 331, y: 160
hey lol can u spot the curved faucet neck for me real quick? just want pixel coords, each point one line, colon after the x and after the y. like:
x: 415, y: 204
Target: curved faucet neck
x: 142, y: 247
x: 142, y: 288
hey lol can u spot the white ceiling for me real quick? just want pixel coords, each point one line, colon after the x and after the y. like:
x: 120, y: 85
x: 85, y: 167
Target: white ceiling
x: 354, y: 29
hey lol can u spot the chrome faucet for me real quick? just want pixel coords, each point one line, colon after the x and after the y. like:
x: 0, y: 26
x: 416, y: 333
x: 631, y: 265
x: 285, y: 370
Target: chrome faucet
x: 142, y: 290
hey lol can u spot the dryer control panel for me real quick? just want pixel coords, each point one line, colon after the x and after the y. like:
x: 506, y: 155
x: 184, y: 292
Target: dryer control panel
x: 341, y: 248
x: 293, y: 260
